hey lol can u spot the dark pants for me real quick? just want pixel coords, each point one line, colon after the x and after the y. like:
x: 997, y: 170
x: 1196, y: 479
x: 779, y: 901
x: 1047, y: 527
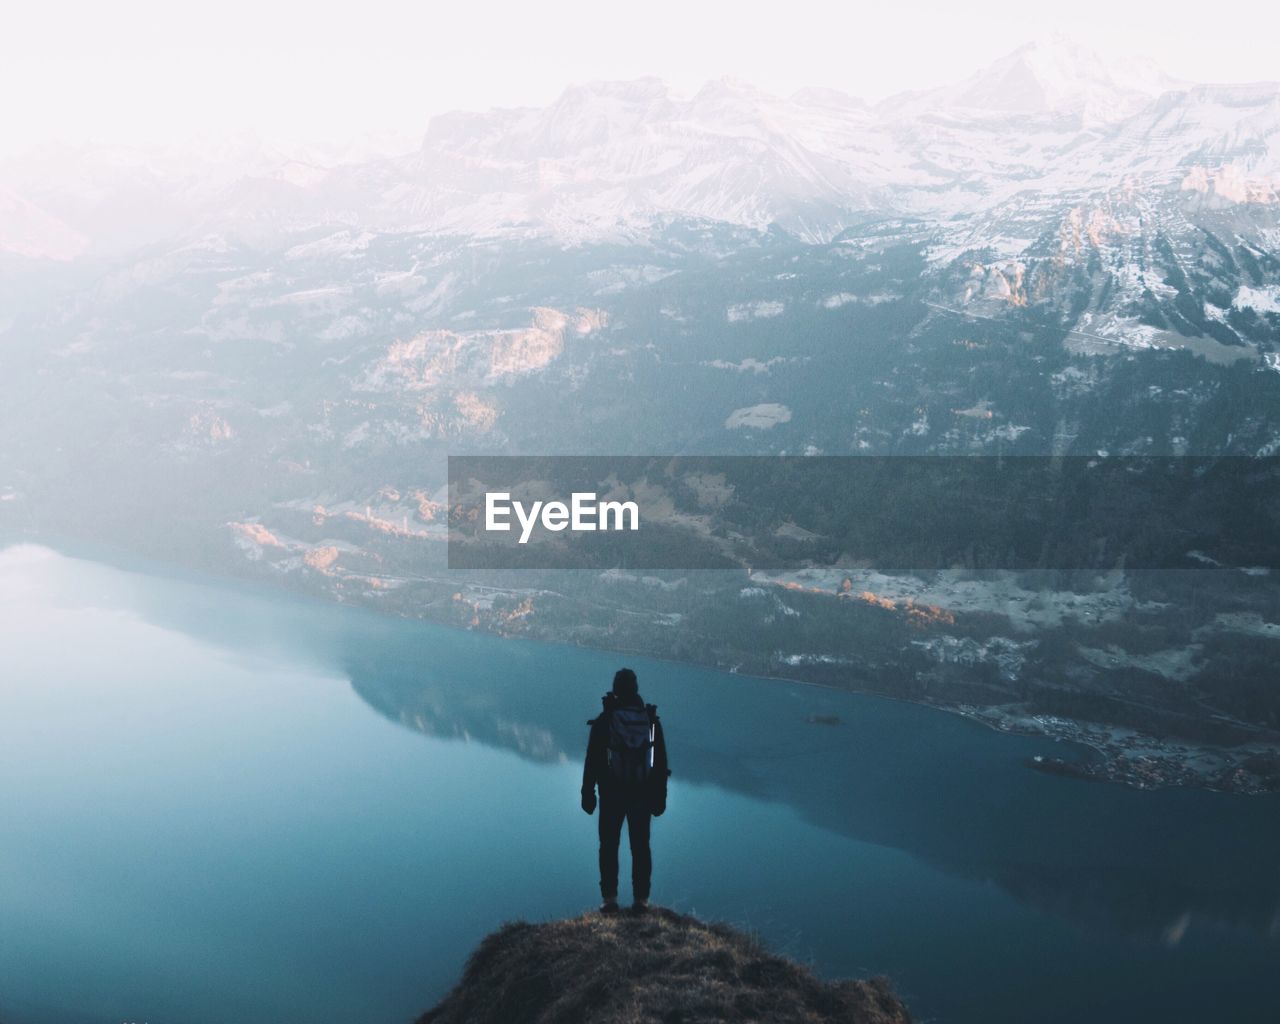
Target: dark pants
x: 632, y: 804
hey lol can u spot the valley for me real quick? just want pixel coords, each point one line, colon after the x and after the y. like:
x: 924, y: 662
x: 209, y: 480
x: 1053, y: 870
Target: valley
x: 263, y: 377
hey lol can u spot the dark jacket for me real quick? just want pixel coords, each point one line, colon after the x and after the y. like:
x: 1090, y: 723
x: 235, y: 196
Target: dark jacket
x: 595, y: 767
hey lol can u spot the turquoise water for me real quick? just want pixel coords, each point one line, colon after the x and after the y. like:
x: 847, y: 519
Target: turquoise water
x: 224, y: 804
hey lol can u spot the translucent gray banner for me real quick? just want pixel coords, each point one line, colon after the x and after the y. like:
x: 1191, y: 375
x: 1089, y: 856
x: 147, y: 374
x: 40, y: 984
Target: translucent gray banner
x: 892, y: 513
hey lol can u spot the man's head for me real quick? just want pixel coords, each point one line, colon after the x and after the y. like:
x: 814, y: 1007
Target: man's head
x: 624, y: 683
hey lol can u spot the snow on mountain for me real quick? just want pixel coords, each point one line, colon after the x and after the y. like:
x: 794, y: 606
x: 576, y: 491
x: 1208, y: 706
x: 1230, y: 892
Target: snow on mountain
x: 1045, y: 77
x: 1048, y: 121
x: 119, y: 198
x: 613, y: 157
x: 995, y: 161
x: 28, y: 231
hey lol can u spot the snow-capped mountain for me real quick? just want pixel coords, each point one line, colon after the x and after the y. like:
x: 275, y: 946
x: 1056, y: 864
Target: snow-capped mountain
x: 1048, y: 77
x: 28, y: 231
x: 994, y: 162
x: 1049, y: 119
x: 264, y: 355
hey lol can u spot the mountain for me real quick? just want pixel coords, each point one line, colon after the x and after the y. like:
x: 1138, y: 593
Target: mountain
x: 32, y: 233
x: 1052, y: 176
x: 260, y: 359
x: 1045, y: 78
x: 658, y: 966
x: 609, y: 159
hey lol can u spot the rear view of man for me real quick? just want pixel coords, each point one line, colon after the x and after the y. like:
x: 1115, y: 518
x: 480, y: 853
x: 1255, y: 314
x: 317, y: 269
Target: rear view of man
x: 627, y: 759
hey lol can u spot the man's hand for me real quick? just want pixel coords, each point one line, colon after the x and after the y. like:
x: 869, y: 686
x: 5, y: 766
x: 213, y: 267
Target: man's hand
x: 589, y: 800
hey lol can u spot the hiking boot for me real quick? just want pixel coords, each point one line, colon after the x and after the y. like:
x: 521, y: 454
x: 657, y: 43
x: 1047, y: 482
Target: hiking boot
x: 609, y: 906
x: 639, y: 906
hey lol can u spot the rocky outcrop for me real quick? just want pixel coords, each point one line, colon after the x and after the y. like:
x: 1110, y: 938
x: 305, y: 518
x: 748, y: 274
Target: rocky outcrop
x: 658, y: 966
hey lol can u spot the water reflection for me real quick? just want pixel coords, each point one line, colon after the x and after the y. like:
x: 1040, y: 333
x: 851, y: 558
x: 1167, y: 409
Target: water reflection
x: 939, y: 787
x: 1145, y: 864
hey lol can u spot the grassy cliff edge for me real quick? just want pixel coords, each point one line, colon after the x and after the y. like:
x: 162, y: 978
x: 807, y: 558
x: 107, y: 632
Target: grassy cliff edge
x: 660, y: 966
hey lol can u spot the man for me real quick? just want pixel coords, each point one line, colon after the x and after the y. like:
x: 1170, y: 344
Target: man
x: 627, y: 759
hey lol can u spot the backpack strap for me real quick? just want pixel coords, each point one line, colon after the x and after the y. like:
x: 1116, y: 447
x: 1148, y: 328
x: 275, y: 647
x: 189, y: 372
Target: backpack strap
x: 607, y: 703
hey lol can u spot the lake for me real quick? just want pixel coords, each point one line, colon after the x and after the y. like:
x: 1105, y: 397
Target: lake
x: 221, y: 803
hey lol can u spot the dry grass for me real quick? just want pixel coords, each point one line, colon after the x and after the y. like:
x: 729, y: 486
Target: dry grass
x: 660, y: 966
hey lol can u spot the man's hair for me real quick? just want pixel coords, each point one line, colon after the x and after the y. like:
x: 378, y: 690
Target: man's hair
x: 625, y: 683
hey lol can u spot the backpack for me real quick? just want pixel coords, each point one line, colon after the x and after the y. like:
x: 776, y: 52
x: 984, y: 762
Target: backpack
x: 631, y: 735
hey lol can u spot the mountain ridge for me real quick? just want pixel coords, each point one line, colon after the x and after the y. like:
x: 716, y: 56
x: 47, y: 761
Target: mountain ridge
x: 656, y: 966
x: 611, y: 159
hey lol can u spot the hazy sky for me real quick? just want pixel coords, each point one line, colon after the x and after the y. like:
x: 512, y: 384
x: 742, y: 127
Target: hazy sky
x: 151, y: 70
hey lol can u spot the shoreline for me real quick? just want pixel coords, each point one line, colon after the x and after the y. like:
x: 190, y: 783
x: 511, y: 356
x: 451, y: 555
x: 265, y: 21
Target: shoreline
x: 1127, y: 757
x: 1119, y: 755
